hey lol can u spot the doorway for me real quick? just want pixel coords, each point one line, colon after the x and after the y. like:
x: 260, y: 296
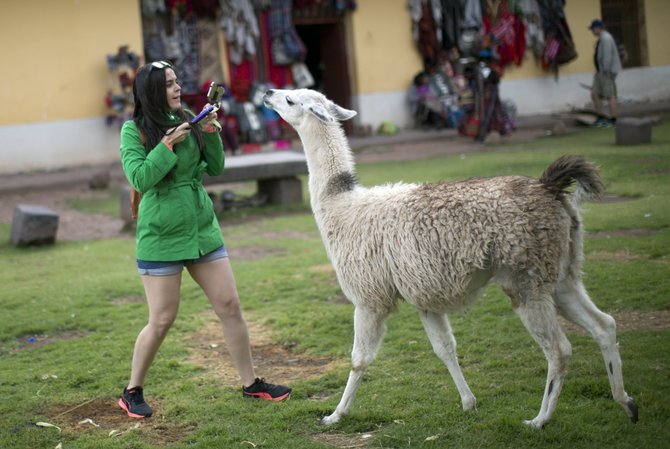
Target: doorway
x: 327, y: 60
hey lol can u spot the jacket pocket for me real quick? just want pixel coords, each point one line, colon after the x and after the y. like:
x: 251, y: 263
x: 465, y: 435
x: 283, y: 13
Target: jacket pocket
x: 206, y: 216
x: 173, y: 212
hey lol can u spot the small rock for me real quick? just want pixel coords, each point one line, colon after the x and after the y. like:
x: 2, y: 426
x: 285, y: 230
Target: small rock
x: 559, y: 129
x: 99, y: 180
x: 493, y: 138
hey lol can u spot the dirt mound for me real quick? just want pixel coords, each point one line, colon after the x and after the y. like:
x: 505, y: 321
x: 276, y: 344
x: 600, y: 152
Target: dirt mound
x: 271, y: 360
x: 104, y: 416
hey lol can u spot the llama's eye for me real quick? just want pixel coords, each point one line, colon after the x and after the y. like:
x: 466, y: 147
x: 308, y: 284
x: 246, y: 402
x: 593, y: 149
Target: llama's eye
x: 289, y: 101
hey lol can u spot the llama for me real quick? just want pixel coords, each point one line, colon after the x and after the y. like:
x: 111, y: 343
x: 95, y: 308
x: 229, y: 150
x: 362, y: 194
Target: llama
x: 437, y: 246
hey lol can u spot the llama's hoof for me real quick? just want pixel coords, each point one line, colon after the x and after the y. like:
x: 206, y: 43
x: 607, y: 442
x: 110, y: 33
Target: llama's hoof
x: 534, y: 423
x: 631, y: 409
x: 470, y: 404
x: 330, y: 419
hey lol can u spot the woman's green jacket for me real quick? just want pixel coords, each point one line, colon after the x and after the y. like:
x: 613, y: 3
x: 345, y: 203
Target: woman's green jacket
x: 176, y: 219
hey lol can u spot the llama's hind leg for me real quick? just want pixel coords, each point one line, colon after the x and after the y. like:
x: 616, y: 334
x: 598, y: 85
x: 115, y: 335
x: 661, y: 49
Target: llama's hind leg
x: 369, y: 330
x: 539, y: 317
x: 574, y: 304
x: 439, y: 333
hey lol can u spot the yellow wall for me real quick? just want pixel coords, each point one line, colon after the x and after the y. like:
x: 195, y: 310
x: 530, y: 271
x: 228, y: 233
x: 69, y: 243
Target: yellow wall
x: 657, y: 15
x: 386, y: 57
x: 54, y: 56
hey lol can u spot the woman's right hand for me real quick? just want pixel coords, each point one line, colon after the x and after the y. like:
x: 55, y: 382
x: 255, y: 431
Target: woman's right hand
x: 176, y: 135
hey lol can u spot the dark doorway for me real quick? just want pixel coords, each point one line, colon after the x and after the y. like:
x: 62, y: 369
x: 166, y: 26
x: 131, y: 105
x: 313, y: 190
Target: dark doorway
x: 327, y: 61
x: 625, y: 20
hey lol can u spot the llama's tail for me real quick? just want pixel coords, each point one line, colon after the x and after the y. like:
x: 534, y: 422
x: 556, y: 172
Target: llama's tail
x: 564, y: 171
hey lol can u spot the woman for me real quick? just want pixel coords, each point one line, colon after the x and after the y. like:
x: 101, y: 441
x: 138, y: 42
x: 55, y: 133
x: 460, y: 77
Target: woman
x: 164, y: 157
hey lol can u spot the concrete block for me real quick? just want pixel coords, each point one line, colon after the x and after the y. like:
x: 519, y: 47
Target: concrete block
x: 633, y: 131
x: 33, y: 225
x: 281, y: 190
x: 124, y: 203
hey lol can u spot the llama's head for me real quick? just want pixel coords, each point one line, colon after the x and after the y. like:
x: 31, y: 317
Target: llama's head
x: 298, y: 106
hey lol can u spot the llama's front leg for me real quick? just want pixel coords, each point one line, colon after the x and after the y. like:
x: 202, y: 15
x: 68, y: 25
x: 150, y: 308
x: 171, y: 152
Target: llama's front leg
x: 369, y: 330
x: 444, y: 344
x: 539, y: 317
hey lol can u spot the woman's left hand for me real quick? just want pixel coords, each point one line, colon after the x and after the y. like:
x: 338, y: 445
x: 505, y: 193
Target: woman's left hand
x: 211, y: 121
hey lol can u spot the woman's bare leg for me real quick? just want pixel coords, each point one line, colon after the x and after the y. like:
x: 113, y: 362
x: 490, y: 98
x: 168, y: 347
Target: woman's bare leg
x: 218, y: 282
x: 163, y: 300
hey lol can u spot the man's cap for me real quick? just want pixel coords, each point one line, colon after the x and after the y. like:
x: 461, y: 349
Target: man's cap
x: 596, y: 23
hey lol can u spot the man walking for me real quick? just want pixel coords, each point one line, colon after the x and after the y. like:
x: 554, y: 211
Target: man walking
x: 608, y: 66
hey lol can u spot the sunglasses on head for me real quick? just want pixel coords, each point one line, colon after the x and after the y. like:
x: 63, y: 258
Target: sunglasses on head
x: 160, y: 65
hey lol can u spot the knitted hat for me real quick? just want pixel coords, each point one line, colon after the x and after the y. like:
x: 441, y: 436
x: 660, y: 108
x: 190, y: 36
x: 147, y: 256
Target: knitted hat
x: 597, y: 23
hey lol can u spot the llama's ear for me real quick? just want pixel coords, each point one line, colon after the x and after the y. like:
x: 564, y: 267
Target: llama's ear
x: 320, y: 113
x: 339, y: 113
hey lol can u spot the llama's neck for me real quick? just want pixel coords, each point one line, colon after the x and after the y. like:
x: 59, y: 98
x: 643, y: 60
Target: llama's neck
x: 329, y: 159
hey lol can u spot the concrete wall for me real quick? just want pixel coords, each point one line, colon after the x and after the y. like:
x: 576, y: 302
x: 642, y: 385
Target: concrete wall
x: 55, y: 79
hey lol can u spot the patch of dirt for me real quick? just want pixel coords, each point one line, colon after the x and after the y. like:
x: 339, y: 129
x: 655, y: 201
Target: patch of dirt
x: 38, y: 341
x: 252, y: 252
x: 609, y: 198
x: 614, y: 256
x: 344, y: 440
x: 638, y: 232
x: 107, y: 418
x: 271, y: 360
x: 629, y: 320
x: 128, y: 299
x: 72, y: 224
x: 656, y: 171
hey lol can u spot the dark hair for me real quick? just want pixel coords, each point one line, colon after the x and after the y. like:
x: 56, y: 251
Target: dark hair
x: 151, y: 106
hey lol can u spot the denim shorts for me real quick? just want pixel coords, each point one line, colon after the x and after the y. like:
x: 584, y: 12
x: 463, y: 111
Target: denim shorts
x: 152, y: 268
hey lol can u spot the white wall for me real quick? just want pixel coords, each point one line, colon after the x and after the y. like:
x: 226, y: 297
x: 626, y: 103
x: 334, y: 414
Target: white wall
x: 548, y: 95
x: 56, y: 145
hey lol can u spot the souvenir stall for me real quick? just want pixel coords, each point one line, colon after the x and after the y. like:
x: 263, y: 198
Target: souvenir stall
x: 465, y: 46
x: 248, y: 46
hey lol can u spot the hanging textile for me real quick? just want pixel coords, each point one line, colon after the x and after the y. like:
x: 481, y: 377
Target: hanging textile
x: 507, y: 31
x: 152, y: 8
x: 189, y: 66
x: 208, y: 52
x: 470, y: 38
x: 532, y: 19
x: 559, y: 46
x: 472, y: 16
x: 426, y: 29
x: 452, y: 14
x: 277, y: 75
x: 240, y: 29
x: 287, y: 47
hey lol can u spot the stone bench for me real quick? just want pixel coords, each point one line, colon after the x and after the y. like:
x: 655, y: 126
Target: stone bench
x: 276, y: 174
x: 633, y: 130
x: 33, y: 225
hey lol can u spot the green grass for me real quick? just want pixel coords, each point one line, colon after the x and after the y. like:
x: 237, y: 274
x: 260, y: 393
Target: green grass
x: 104, y: 202
x: 73, y: 298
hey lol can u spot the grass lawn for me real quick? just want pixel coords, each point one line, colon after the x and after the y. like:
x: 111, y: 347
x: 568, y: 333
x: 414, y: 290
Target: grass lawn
x: 72, y: 311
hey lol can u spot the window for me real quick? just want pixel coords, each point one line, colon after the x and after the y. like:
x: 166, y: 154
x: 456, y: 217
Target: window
x: 624, y: 19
